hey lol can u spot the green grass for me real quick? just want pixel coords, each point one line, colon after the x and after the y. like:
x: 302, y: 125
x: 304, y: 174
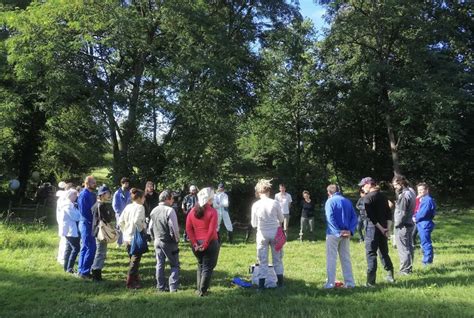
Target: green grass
x: 32, y: 283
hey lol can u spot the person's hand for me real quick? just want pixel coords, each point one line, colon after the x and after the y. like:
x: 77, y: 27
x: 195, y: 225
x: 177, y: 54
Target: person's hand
x: 196, y: 247
x: 414, y: 219
x: 387, y: 233
x: 345, y: 233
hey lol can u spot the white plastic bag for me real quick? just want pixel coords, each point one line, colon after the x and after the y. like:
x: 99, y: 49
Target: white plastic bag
x: 271, y: 279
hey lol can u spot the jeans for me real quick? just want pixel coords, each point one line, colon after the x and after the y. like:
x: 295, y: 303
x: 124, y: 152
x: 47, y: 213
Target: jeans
x: 72, y: 249
x: 100, y: 254
x: 168, y: 251
x: 375, y: 242
x: 88, y: 247
x: 207, y: 261
x: 338, y: 246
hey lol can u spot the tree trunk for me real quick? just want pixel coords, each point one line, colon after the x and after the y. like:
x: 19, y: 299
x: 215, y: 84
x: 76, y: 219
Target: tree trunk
x: 390, y: 131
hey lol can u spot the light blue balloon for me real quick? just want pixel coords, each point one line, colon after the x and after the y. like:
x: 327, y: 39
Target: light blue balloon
x: 14, y: 184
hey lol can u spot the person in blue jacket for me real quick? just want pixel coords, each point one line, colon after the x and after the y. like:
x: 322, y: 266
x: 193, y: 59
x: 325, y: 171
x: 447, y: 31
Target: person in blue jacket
x: 424, y: 222
x: 120, y: 200
x: 341, y: 223
x: 86, y: 200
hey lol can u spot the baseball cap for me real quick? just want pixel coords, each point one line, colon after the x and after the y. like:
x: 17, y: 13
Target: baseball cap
x: 103, y: 189
x: 366, y: 180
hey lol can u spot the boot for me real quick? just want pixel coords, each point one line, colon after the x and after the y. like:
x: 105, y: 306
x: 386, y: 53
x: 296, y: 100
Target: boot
x: 137, y: 284
x: 390, y: 277
x: 280, y: 280
x: 130, y: 281
x: 371, y: 279
x: 96, y: 275
x: 219, y: 237
x: 261, y: 285
x: 230, y: 236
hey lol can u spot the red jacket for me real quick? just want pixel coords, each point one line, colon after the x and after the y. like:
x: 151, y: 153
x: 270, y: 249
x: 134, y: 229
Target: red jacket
x: 204, y: 229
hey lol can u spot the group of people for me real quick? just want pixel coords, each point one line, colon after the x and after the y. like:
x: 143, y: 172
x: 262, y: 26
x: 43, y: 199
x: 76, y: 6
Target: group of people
x: 84, y: 216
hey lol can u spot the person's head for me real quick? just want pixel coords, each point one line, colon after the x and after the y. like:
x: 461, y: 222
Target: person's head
x: 282, y: 187
x: 399, y: 182
x: 72, y: 195
x: 150, y: 186
x: 422, y: 189
x: 306, y: 195
x: 166, y: 196
x: 331, y: 189
x: 263, y: 186
x: 104, y: 193
x: 205, y: 196
x: 137, y: 195
x: 366, y: 184
x: 69, y: 185
x: 90, y: 183
x: 361, y: 192
x: 220, y: 187
x: 62, y: 185
x: 193, y: 189
x: 125, y: 183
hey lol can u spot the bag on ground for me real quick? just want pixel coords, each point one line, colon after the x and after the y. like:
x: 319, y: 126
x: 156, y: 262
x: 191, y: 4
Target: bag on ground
x: 270, y: 280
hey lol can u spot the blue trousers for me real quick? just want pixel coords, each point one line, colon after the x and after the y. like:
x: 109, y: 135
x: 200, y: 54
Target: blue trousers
x: 424, y: 231
x: 88, y: 247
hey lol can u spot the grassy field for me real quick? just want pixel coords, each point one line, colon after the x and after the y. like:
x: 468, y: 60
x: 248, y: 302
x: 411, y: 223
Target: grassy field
x: 32, y: 283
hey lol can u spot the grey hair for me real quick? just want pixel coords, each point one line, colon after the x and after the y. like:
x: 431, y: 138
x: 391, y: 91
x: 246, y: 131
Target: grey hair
x: 263, y: 185
x: 165, y: 195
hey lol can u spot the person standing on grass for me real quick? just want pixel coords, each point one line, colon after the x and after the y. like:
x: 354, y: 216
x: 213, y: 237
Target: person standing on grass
x: 102, y: 212
x: 164, y: 230
x: 188, y: 203
x: 120, y: 200
x: 424, y: 222
x: 221, y: 204
x: 415, y: 229
x: 285, y: 200
x: 404, y: 207
x: 133, y: 219
x: 68, y: 227
x: 86, y: 200
x: 341, y: 223
x: 60, y: 194
x: 361, y: 216
x: 151, y: 198
x: 307, y: 214
x: 201, y: 227
x: 379, y: 223
x: 266, y: 217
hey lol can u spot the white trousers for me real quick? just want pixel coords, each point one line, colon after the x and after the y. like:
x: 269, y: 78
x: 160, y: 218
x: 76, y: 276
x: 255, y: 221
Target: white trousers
x: 223, y: 215
x: 264, y: 242
x: 338, y: 246
x: 61, y: 250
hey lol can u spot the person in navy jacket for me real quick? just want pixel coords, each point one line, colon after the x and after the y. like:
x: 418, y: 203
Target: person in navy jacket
x: 86, y: 200
x: 424, y: 222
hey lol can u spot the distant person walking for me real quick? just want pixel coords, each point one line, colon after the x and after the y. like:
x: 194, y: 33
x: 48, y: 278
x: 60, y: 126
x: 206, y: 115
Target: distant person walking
x: 201, y: 226
x: 133, y: 219
x: 120, y: 200
x: 266, y: 217
x: 86, y: 200
x: 307, y: 214
x: 164, y: 230
x: 341, y: 222
x: 424, y: 222
x: 379, y: 224
x: 404, y: 207
x: 221, y: 204
x: 284, y: 199
x: 102, y: 212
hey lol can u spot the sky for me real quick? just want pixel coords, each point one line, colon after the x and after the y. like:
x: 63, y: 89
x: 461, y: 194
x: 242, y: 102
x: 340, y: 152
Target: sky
x: 313, y: 11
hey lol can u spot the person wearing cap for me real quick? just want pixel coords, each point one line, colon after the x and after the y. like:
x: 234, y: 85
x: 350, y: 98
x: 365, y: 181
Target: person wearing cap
x: 201, y: 225
x: 102, y: 211
x: 284, y: 198
x: 188, y: 203
x: 379, y: 223
x: 221, y: 204
x: 341, y: 224
x: 403, y: 223
x: 267, y: 217
x: 60, y: 194
x: 424, y: 222
x: 164, y: 230
x: 68, y: 228
x: 120, y: 200
x: 87, y: 198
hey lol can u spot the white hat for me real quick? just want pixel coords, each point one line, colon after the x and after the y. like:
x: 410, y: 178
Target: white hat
x: 192, y: 188
x: 205, y: 195
x: 62, y: 185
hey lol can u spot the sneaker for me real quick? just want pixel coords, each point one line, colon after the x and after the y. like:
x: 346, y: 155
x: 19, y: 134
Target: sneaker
x: 401, y: 273
x: 369, y: 285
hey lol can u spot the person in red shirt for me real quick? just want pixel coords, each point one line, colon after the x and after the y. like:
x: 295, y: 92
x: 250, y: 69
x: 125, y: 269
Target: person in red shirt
x: 201, y: 227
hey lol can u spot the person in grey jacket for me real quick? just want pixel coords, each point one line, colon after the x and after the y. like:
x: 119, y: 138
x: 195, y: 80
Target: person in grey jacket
x: 165, y: 232
x: 404, y: 207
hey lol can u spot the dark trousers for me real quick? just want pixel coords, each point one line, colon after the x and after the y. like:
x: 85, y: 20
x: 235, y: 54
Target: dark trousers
x: 73, y: 247
x: 207, y: 261
x: 134, y: 262
x: 413, y: 236
x: 375, y: 242
x: 361, y: 225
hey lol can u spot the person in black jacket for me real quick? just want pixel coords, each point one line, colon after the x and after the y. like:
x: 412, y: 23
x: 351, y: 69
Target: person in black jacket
x: 307, y: 214
x: 101, y: 211
x: 379, y: 223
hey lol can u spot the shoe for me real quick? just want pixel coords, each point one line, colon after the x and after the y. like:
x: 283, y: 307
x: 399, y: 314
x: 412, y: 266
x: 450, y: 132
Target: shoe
x: 84, y: 276
x: 390, y: 277
x: 338, y: 284
x: 280, y: 281
x: 401, y: 273
x: 369, y: 285
x: 164, y: 290
x: 97, y: 275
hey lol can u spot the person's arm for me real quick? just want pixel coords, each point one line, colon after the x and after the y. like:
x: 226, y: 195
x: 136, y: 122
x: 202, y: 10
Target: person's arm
x: 225, y: 200
x: 253, y: 218
x: 150, y: 229
x: 212, y: 228
x: 280, y: 216
x: 190, y: 229
x: 173, y: 224
x: 354, y: 221
x: 331, y: 221
x: 140, y: 220
x: 115, y: 202
x: 424, y: 211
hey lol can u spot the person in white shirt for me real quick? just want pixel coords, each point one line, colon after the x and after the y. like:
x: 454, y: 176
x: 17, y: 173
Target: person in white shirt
x: 60, y: 194
x: 221, y: 204
x: 284, y: 198
x: 266, y: 218
x: 68, y: 228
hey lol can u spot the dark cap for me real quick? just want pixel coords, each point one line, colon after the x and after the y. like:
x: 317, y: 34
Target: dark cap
x: 366, y: 180
x: 220, y: 186
x: 103, y: 189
